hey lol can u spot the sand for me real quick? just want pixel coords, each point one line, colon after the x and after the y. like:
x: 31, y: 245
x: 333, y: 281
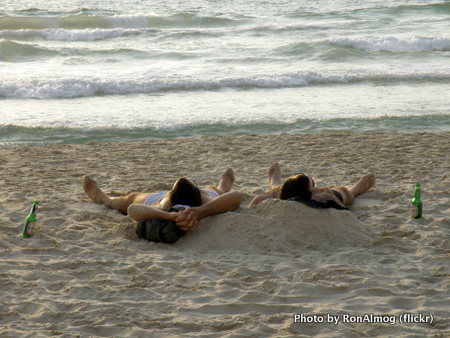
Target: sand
x: 275, y: 270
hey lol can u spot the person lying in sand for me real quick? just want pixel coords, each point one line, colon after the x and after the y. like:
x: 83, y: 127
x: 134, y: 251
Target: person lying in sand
x: 199, y: 203
x: 302, y: 187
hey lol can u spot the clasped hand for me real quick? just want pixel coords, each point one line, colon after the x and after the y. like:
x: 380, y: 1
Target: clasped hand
x: 186, y: 220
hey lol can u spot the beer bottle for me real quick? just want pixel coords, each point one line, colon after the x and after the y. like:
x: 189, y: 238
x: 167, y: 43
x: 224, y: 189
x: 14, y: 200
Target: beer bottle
x: 417, y: 202
x: 30, y: 221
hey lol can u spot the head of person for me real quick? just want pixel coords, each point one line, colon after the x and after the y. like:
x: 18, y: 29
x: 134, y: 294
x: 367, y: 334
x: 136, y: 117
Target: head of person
x: 185, y: 192
x: 297, y: 186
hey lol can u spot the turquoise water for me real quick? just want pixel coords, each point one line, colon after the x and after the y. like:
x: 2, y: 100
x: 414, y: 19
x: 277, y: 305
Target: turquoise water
x: 74, y: 72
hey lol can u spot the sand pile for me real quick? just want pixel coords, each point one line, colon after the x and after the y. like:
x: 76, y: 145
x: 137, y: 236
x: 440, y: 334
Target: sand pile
x: 279, y: 227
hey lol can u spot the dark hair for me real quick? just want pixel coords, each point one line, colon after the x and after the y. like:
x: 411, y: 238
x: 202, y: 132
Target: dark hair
x: 296, y: 187
x: 186, y: 193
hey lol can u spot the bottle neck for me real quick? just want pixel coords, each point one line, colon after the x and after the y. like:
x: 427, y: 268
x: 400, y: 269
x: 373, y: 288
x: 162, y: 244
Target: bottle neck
x: 33, y: 209
x: 417, y: 192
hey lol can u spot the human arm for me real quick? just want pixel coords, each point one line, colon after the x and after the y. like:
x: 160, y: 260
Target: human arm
x: 188, y: 219
x: 273, y: 193
x: 258, y: 199
x: 142, y: 212
x: 325, y: 194
x: 166, y: 202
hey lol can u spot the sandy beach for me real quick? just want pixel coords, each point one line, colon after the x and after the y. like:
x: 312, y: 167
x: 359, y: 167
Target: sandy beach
x: 281, y: 269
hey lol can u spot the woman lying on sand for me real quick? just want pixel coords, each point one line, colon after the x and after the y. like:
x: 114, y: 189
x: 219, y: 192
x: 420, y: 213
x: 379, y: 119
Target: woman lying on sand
x: 199, y: 203
x: 302, y: 187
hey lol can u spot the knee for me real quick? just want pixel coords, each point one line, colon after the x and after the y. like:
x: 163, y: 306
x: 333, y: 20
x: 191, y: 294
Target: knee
x: 132, y: 211
x: 347, y: 195
x: 237, y: 197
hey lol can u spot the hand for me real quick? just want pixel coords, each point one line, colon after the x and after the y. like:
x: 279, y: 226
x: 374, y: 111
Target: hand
x: 172, y: 216
x: 258, y: 199
x: 186, y: 220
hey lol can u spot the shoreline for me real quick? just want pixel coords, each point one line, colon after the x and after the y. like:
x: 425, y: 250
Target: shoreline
x: 249, y: 270
x: 22, y: 135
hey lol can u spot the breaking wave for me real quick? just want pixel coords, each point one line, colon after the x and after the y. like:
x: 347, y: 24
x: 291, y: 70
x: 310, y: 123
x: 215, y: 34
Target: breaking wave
x: 61, y: 34
x: 394, y: 44
x: 83, y: 21
x: 73, y: 88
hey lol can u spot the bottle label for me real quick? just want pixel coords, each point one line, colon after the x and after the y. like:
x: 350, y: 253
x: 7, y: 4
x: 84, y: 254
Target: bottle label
x: 30, y: 228
x: 416, y: 212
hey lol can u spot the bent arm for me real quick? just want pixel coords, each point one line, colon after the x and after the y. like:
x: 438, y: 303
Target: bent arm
x: 327, y: 196
x: 273, y: 193
x: 142, y: 212
x: 258, y: 199
x: 226, y: 202
x: 188, y: 219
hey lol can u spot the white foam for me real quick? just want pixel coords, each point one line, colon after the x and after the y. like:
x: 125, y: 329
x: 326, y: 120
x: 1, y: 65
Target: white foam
x: 394, y: 44
x: 85, y: 87
x: 61, y: 34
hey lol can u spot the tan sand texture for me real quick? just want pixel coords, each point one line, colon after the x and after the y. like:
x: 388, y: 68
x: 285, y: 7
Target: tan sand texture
x: 261, y: 272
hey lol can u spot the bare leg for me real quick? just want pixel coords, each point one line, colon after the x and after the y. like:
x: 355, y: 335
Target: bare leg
x: 120, y: 203
x: 93, y: 191
x: 274, y: 175
x: 363, y: 185
x: 226, y: 181
x: 274, y: 183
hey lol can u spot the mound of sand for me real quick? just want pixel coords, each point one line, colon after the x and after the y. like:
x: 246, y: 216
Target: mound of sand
x: 278, y: 227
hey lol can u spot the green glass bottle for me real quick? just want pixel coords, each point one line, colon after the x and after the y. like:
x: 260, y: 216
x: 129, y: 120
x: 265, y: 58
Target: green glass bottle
x: 417, y: 202
x: 30, y: 221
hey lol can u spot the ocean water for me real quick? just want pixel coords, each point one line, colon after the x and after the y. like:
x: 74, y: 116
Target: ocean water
x: 77, y: 71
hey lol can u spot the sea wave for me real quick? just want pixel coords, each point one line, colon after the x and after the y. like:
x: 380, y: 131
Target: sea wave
x: 11, y: 51
x: 16, y: 134
x: 394, y: 44
x: 441, y: 6
x: 73, y: 88
x: 83, y: 21
x: 366, y: 7
x: 39, y: 11
x: 62, y: 34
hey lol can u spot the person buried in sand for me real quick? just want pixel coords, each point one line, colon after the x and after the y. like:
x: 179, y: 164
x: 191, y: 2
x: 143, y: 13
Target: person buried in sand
x: 301, y: 187
x: 198, y: 203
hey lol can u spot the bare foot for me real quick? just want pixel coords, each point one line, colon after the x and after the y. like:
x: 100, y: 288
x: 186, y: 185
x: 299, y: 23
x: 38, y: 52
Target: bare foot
x: 227, y: 181
x: 363, y: 185
x: 274, y: 175
x: 93, y: 191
